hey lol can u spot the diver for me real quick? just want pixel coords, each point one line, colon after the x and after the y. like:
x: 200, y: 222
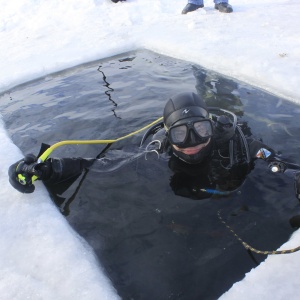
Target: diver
x: 209, y: 151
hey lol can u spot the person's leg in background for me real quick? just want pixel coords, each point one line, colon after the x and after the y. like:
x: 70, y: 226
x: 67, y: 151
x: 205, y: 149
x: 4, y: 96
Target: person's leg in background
x: 192, y: 5
x: 223, y: 6
x: 220, y: 5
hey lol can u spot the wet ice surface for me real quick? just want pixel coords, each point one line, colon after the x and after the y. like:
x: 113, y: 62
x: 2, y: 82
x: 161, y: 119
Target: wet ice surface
x: 152, y: 243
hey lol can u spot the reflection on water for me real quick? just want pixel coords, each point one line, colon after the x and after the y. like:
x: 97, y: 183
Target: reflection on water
x: 153, y: 243
x: 218, y: 91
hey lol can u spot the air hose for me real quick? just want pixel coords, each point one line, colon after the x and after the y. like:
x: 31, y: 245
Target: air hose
x: 46, y: 154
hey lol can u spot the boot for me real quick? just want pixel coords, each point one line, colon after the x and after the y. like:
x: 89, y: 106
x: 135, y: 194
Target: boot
x: 224, y: 7
x: 191, y: 7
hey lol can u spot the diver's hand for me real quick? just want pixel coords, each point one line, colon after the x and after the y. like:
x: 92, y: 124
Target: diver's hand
x: 297, y: 185
x: 20, y: 173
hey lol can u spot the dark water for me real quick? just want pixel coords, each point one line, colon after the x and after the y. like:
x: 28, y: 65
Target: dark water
x: 152, y: 243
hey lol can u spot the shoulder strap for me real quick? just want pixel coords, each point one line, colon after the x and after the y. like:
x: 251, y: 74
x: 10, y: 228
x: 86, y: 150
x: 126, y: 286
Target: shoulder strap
x: 151, y: 131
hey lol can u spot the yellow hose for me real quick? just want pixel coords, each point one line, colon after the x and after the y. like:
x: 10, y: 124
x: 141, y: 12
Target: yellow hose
x: 45, y: 155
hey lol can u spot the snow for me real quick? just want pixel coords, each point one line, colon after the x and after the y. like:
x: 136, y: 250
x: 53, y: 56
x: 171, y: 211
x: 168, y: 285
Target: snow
x: 258, y: 44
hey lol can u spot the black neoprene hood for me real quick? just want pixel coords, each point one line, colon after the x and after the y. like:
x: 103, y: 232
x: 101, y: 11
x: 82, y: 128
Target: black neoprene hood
x: 182, y: 106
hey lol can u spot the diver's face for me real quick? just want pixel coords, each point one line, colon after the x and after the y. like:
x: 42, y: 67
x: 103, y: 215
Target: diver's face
x: 190, y: 132
x: 192, y: 150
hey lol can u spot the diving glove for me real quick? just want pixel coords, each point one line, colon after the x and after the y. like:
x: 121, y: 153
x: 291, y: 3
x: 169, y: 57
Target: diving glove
x: 21, y: 173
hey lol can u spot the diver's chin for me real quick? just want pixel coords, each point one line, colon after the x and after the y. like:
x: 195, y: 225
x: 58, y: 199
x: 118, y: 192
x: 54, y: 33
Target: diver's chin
x: 192, y: 150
